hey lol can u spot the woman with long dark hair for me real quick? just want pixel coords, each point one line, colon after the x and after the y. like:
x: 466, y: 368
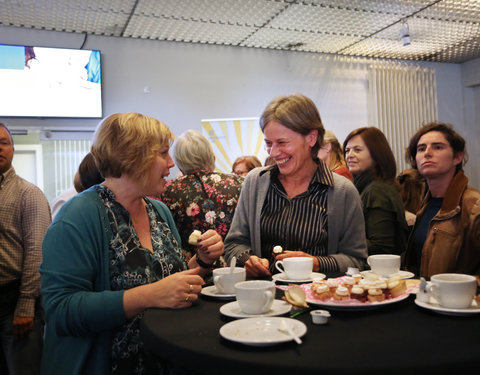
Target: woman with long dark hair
x: 371, y: 161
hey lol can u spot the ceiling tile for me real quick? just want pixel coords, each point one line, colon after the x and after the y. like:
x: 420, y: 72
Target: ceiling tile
x: 440, y: 30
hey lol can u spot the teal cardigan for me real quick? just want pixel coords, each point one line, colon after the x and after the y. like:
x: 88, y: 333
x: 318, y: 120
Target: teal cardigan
x: 80, y: 309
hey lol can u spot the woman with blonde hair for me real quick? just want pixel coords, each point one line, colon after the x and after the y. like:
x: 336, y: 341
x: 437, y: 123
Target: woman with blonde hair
x: 113, y: 253
x: 331, y: 153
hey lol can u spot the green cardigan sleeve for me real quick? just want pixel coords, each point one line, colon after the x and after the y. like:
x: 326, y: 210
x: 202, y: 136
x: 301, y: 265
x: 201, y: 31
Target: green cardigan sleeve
x: 75, y: 278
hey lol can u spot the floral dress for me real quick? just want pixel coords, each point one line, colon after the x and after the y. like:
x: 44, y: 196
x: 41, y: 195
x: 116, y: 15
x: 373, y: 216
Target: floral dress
x: 202, y: 201
x: 133, y: 265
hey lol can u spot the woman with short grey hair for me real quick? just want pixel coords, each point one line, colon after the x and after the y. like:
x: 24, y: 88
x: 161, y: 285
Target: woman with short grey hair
x: 202, y: 198
x: 193, y: 151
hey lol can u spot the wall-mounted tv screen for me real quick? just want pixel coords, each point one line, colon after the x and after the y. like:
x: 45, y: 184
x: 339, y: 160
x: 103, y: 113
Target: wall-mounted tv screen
x: 50, y: 82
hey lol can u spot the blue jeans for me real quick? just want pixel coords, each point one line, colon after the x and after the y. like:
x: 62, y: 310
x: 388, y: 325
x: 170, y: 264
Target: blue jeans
x: 21, y: 355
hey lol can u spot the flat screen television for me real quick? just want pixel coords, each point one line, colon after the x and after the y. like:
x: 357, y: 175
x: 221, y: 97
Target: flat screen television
x: 50, y: 82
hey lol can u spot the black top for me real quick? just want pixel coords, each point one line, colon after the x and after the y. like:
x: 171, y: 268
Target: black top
x: 384, y: 213
x: 423, y: 227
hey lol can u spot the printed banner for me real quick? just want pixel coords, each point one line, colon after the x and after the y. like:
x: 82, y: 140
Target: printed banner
x: 232, y: 138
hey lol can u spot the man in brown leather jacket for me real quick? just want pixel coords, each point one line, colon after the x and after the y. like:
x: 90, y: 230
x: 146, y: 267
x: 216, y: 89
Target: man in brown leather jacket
x: 446, y: 235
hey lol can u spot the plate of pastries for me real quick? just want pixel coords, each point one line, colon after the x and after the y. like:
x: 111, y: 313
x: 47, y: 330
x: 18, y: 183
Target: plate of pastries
x: 357, y: 292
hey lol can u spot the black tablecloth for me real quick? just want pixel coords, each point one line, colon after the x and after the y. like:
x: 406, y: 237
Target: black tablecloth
x: 396, y: 338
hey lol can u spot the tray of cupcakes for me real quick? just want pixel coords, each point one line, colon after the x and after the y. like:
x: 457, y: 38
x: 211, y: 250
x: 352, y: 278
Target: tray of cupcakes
x: 357, y: 292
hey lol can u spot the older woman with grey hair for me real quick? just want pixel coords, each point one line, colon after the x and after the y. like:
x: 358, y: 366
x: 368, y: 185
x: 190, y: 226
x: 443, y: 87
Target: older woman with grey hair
x: 297, y: 203
x: 202, y: 198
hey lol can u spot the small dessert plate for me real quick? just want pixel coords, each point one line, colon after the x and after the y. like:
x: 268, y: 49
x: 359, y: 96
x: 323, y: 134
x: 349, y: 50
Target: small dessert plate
x: 433, y: 305
x: 233, y: 310
x: 261, y: 331
x: 282, y: 278
x: 212, y: 291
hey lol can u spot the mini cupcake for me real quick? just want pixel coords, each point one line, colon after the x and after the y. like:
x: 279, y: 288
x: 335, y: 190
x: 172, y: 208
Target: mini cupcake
x: 375, y: 295
x: 277, y: 250
x: 358, y: 293
x: 348, y: 282
x: 341, y: 294
x: 357, y: 277
x: 382, y: 284
x: 370, y: 276
x: 397, y: 288
x: 332, y: 284
x: 365, y: 284
x: 321, y: 291
x: 395, y: 277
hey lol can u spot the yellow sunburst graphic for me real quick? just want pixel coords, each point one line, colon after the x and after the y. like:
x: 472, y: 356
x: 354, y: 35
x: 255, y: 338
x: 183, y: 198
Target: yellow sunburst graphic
x: 232, y: 138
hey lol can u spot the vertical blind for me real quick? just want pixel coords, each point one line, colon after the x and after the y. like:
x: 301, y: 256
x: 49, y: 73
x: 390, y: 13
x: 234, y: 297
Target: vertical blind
x: 67, y: 156
x: 400, y: 100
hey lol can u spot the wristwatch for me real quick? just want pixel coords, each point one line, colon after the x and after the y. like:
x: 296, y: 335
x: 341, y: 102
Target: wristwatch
x: 202, y: 264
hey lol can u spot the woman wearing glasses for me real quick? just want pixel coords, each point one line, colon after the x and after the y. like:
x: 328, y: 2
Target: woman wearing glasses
x: 298, y: 203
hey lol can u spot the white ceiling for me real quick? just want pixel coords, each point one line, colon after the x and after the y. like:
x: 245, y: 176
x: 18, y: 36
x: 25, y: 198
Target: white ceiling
x: 440, y: 30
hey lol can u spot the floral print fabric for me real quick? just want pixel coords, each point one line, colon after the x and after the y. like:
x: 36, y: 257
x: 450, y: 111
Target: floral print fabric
x: 202, y: 201
x: 132, y: 265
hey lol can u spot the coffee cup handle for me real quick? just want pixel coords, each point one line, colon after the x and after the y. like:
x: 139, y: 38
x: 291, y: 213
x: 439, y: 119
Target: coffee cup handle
x: 268, y: 298
x: 277, y: 266
x: 217, y: 281
x: 432, y: 290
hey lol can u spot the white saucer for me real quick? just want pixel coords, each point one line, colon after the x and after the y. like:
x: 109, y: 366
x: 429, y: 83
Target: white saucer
x: 233, y: 310
x: 212, y: 291
x: 261, y: 331
x: 403, y: 274
x: 435, y: 306
x: 282, y: 278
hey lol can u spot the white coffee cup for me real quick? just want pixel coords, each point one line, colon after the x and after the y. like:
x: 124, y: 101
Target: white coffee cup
x: 453, y: 290
x: 255, y: 296
x: 296, y: 268
x: 384, y: 264
x: 225, y: 280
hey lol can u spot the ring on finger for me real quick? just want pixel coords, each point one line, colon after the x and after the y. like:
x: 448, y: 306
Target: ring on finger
x: 187, y: 298
x: 190, y: 288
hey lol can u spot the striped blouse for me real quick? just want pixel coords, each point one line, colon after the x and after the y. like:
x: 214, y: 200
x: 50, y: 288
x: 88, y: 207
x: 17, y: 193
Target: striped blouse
x: 300, y: 223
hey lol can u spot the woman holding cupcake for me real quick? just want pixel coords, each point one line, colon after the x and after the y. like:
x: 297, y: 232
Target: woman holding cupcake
x: 112, y: 252
x: 297, y: 203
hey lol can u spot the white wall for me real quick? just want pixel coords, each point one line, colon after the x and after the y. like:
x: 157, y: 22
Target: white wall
x: 471, y: 95
x: 190, y: 82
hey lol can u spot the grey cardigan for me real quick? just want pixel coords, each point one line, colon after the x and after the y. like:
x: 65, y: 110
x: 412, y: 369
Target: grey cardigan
x: 346, y: 227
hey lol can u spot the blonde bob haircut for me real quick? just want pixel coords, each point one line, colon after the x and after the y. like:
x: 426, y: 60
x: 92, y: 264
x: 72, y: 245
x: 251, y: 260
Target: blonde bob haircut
x: 298, y: 113
x: 127, y: 143
x: 193, y: 152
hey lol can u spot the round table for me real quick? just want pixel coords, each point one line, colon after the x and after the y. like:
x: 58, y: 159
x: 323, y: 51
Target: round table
x: 396, y: 338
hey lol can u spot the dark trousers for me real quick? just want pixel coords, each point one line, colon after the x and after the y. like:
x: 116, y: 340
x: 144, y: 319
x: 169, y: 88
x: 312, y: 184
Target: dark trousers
x: 18, y: 355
